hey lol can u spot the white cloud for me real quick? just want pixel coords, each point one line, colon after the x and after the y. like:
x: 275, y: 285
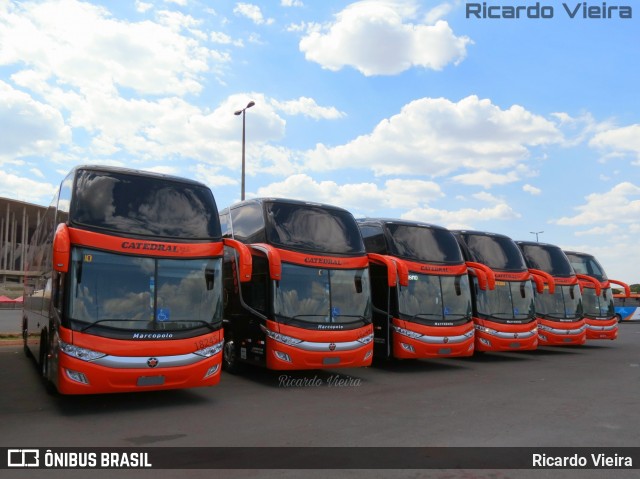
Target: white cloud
x: 607, y: 229
x: 291, y: 3
x: 487, y: 197
x: 463, y: 218
x: 143, y: 7
x: 28, y: 127
x: 375, y: 37
x: 25, y: 189
x: 224, y: 39
x: 601, y: 207
x: 81, y: 46
x: 438, y: 12
x: 532, y: 189
x: 486, y: 179
x: 253, y: 13
x: 363, y: 197
x: 619, y: 141
x: 308, y: 107
x: 435, y: 136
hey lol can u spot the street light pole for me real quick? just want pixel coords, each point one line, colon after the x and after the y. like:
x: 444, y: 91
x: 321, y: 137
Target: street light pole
x: 536, y: 233
x: 249, y: 105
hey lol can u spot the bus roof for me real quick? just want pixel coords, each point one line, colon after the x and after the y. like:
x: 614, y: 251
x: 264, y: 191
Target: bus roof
x: 132, y: 171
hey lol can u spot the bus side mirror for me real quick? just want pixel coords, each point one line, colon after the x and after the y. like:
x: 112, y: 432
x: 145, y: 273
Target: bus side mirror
x: 209, y: 277
x: 61, y: 249
x: 358, y: 283
x: 456, y: 283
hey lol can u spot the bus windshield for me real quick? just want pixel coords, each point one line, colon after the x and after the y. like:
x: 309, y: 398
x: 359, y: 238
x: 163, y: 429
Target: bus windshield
x: 511, y: 300
x: 587, y: 264
x: 430, y: 298
x: 547, y: 258
x: 130, y: 293
x: 497, y: 252
x: 598, y: 306
x: 322, y: 295
x: 430, y: 245
x: 135, y: 204
x: 312, y: 228
x: 564, y: 303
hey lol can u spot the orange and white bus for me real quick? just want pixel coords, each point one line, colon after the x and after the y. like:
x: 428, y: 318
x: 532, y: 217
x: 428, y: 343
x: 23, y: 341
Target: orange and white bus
x: 308, y: 304
x: 504, y: 317
x: 559, y: 311
x: 123, y: 284
x: 420, y: 290
x: 597, y: 296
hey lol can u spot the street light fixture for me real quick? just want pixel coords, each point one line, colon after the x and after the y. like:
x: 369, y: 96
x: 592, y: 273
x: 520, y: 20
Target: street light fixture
x: 536, y: 233
x: 249, y: 105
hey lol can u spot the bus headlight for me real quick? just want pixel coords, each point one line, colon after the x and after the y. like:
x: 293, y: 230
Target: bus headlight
x: 80, y: 353
x: 366, y: 339
x: 406, y: 332
x: 486, y: 330
x: 210, y: 350
x: 281, y: 338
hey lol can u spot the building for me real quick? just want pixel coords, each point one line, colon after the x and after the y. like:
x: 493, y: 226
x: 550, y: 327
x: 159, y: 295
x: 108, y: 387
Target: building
x: 18, y: 222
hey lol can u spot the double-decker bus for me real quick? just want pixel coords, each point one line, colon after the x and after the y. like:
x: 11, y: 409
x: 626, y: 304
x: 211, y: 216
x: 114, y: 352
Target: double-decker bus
x: 627, y: 308
x: 504, y: 317
x: 559, y: 312
x: 597, y: 296
x: 420, y: 290
x: 123, y: 285
x: 308, y: 304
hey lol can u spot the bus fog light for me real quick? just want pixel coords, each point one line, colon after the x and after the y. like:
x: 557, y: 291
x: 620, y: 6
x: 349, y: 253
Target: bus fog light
x: 282, y: 356
x: 407, y: 347
x: 368, y: 355
x: 212, y: 370
x: 485, y: 341
x: 542, y: 336
x: 77, y: 376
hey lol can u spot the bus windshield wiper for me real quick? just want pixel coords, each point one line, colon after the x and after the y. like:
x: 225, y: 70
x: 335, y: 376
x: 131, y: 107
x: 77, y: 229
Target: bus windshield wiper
x: 429, y: 315
x: 95, y: 323
x: 200, y: 321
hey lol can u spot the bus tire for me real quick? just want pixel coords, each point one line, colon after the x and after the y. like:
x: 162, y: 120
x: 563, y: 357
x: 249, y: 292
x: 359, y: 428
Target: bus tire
x: 25, y: 336
x: 43, y: 363
x: 230, y: 359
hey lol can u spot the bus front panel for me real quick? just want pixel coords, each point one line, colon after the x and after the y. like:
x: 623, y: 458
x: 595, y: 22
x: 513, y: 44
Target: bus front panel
x: 505, y: 318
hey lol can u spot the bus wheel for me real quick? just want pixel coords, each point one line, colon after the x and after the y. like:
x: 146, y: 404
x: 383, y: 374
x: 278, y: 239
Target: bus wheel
x: 43, y: 360
x: 25, y: 336
x: 230, y: 361
x: 44, y: 363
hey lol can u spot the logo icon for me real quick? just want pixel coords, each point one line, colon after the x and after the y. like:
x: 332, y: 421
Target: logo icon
x: 23, y: 458
x: 332, y: 347
x: 152, y: 362
x: 515, y: 335
x: 445, y: 340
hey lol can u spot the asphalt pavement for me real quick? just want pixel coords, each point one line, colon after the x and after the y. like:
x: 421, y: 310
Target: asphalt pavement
x: 10, y: 321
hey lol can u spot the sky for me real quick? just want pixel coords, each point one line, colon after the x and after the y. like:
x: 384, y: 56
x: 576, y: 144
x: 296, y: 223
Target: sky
x: 419, y: 110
